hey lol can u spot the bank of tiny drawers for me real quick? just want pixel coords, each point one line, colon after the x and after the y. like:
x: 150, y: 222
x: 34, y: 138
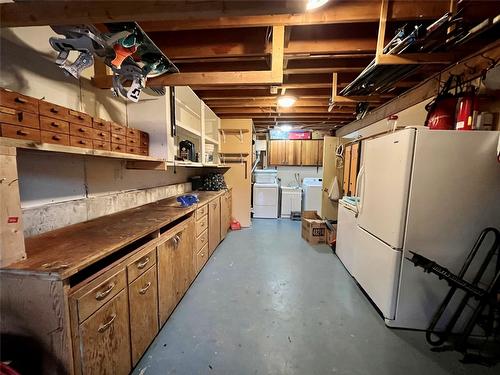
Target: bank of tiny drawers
x: 24, y: 117
x: 201, y: 215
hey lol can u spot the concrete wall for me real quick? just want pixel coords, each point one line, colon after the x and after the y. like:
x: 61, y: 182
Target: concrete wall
x: 286, y: 174
x: 60, y: 189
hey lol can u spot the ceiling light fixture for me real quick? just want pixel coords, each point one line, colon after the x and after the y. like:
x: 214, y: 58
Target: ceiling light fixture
x: 285, y: 128
x: 315, y: 4
x: 286, y: 101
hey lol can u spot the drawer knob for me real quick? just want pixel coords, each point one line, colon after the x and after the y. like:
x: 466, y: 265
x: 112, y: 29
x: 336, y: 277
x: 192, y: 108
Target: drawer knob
x: 54, y: 110
x: 20, y: 116
x: 81, y: 130
x: 145, y: 288
x: 22, y: 132
x: 54, y: 124
x: 143, y: 264
x: 56, y: 138
x: 104, y: 326
x: 103, y: 294
x: 20, y: 100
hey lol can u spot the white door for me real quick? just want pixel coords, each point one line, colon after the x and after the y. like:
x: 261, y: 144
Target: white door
x: 346, y: 238
x: 376, y: 268
x: 383, y: 185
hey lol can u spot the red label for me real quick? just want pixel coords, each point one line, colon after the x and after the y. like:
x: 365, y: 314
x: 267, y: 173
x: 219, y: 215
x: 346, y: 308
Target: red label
x: 299, y: 135
x: 12, y: 220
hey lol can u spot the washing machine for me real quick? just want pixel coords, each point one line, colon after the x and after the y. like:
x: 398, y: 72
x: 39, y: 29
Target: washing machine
x: 265, y: 200
x: 311, y: 194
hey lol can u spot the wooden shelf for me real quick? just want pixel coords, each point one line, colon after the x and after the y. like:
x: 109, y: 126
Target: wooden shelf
x: 233, y: 131
x: 234, y: 154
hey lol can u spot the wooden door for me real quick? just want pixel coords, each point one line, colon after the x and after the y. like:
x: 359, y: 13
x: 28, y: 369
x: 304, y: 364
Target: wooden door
x: 225, y: 216
x: 353, y: 168
x: 277, y: 152
x: 293, y: 152
x: 105, y: 339
x: 347, y: 169
x: 310, y: 152
x: 186, y: 250
x: 143, y: 304
x: 320, y: 152
x: 213, y: 225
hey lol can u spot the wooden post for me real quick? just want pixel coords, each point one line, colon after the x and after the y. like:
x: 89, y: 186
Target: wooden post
x: 381, y: 30
x: 11, y: 226
x: 277, y: 55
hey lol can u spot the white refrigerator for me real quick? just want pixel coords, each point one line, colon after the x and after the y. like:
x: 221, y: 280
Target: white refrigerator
x: 427, y: 191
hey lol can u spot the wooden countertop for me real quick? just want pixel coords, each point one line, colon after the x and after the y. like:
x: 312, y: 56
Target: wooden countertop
x: 63, y: 252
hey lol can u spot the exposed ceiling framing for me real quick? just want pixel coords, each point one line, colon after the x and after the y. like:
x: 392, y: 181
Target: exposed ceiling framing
x: 233, y: 52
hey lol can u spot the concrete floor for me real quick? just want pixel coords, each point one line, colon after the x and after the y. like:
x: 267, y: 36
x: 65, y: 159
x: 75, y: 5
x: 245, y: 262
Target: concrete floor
x: 269, y: 303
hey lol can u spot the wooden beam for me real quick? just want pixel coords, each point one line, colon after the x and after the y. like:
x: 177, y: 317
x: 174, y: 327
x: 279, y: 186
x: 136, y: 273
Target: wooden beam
x: 346, y: 69
x: 40, y: 13
x: 337, y: 12
x: 278, y: 53
x: 384, y: 5
x: 416, y: 59
x: 274, y: 109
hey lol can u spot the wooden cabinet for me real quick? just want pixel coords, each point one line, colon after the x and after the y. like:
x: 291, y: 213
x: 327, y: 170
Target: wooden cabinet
x: 104, y: 339
x: 214, y: 228
x: 176, y: 266
x: 225, y: 214
x: 351, y: 168
x: 143, y: 303
x: 311, y: 151
x: 277, y: 152
x: 296, y: 152
x: 293, y: 152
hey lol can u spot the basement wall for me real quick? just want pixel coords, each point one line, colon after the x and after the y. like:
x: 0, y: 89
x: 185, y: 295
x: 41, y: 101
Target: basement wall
x: 63, y: 189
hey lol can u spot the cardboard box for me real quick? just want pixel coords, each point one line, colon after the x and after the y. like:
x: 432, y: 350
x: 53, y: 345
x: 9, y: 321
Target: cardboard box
x: 313, y: 228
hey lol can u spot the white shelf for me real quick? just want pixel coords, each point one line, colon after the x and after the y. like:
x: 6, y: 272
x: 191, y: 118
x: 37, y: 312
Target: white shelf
x: 211, y: 140
x: 188, y: 128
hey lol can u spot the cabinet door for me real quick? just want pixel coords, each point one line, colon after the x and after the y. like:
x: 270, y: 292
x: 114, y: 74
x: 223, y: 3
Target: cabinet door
x: 224, y: 216
x: 310, y: 152
x: 175, y: 268
x: 353, y: 168
x: 320, y: 153
x: 293, y: 152
x: 143, y: 304
x: 105, y: 339
x: 277, y: 152
x: 213, y: 225
x: 347, y: 169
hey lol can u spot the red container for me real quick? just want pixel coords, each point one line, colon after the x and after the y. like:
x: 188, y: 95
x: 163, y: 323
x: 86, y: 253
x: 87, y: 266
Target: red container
x: 442, y: 116
x: 467, y: 104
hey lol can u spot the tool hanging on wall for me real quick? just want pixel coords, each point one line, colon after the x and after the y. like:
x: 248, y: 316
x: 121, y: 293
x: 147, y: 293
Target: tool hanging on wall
x: 441, y: 111
x: 124, y: 47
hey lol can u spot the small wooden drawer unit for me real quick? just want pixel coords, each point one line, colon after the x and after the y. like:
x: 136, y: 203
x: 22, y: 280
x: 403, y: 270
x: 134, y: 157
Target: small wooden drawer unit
x: 202, y: 240
x: 54, y: 111
x: 100, y: 294
x: 56, y: 138
x: 21, y: 118
x: 134, y: 134
x: 99, y: 145
x: 101, y: 124
x: 201, y: 225
x: 19, y: 132
x: 144, y: 139
x: 118, y: 139
x: 77, y: 130
x: 139, y: 266
x: 202, y: 211
x: 101, y: 135
x: 14, y: 100
x: 80, y: 142
x: 118, y: 129
x: 79, y: 118
x: 132, y: 142
x: 117, y: 147
x: 143, y: 151
x: 54, y: 125
x: 133, y: 150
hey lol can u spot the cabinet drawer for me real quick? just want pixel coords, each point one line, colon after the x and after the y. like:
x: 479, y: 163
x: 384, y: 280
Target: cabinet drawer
x: 118, y: 129
x: 16, y: 117
x: 56, y: 138
x: 18, y: 101
x: 118, y: 147
x: 201, y: 225
x: 202, y: 211
x: 133, y: 142
x: 104, y: 339
x: 77, y: 130
x: 100, y: 294
x: 80, y: 142
x: 141, y: 265
x: 202, y: 240
x: 144, y: 139
x: 133, y: 150
x: 144, y: 151
x: 54, y: 125
x: 143, y: 297
x: 54, y: 111
x: 134, y: 134
x: 201, y: 258
x: 118, y: 138
x: 99, y: 145
x: 19, y: 132
x: 101, y: 135
x: 101, y: 124
x: 80, y: 118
